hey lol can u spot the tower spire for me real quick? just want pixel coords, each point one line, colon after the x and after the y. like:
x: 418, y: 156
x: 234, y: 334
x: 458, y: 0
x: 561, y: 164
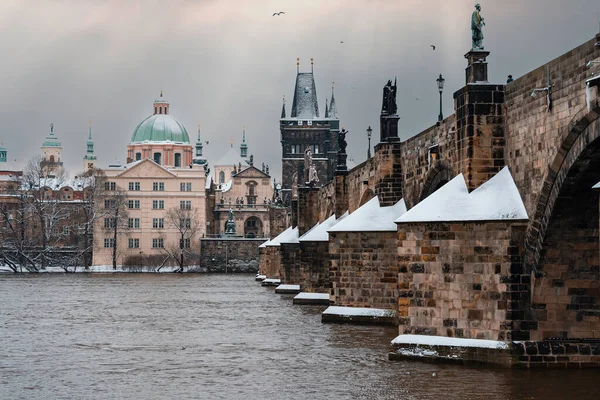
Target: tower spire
x: 283, y: 108
x: 326, y: 108
x: 332, y: 106
x: 298, y: 64
x: 243, y: 146
x: 199, y: 145
x: 89, y: 160
x: 312, y: 65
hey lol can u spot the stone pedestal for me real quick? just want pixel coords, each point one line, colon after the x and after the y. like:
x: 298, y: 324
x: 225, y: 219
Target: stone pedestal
x: 341, y: 194
x: 389, y: 128
x: 342, y: 168
x: 294, y: 212
x: 476, y: 70
x: 308, y: 208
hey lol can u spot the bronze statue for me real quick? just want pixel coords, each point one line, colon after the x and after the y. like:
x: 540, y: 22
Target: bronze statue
x: 477, y: 25
x: 388, y: 106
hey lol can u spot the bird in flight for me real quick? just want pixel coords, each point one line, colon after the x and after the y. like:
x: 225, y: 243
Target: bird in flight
x: 341, y: 41
x: 433, y: 47
x: 278, y: 13
x: 207, y: 142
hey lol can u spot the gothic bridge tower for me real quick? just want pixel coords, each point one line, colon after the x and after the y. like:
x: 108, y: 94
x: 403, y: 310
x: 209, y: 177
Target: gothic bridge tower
x: 305, y: 128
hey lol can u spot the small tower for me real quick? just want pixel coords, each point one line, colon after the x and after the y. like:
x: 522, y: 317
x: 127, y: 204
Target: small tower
x: 51, y: 149
x: 198, y: 159
x: 161, y: 105
x: 89, y: 160
x: 332, y: 106
x: 244, y: 146
x: 283, y: 108
x: 3, y: 154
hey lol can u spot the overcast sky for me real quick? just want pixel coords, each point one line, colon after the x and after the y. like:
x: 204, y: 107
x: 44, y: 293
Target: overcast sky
x: 228, y: 63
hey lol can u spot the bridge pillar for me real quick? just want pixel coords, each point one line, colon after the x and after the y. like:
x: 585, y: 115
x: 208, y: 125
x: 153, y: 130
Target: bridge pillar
x: 308, y: 208
x: 479, y: 123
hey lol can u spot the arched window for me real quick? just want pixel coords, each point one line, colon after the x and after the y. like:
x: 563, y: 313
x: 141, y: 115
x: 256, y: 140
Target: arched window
x: 251, y: 189
x: 138, y: 156
x: 52, y: 158
x: 155, y: 110
x: 178, y: 159
x: 157, y: 157
x: 222, y: 177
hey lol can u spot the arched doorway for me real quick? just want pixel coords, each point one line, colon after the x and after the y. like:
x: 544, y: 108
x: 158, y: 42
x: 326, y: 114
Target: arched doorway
x: 253, y: 227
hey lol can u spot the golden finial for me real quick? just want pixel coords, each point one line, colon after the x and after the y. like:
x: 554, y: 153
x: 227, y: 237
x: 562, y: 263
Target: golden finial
x: 298, y: 64
x: 311, y: 61
x: 198, y: 126
x: 231, y: 142
x: 90, y: 123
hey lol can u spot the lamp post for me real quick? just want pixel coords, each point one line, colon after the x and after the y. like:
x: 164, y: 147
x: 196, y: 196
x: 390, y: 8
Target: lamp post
x: 369, y: 132
x: 440, y: 83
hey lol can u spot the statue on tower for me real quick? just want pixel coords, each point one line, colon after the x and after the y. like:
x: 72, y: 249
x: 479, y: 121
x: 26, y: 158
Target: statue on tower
x: 388, y: 106
x: 477, y: 25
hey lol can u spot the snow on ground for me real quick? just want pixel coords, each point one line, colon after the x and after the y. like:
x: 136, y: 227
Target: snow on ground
x: 312, y: 296
x: 272, y: 281
x: 497, y: 199
x: 319, y: 232
x: 288, y: 287
x: 449, y: 341
x: 358, y: 311
x: 371, y: 217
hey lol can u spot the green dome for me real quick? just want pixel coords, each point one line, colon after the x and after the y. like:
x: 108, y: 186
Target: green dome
x: 160, y: 128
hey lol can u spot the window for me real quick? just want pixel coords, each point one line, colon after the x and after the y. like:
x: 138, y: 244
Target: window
x: 251, y: 189
x: 178, y: 159
x: 138, y: 156
x: 185, y: 205
x: 222, y: 177
x: 109, y: 243
x: 109, y: 222
x: 295, y: 149
x: 185, y: 187
x: 158, y: 186
x: 187, y: 243
x: 65, y: 230
x: 185, y: 223
x: 134, y: 222
x: 134, y: 243
x: 110, y: 186
x: 158, y: 204
x: 157, y: 243
x: 157, y: 157
x: 158, y: 223
x: 134, y: 186
x: 76, y: 211
x: 133, y: 204
x: 314, y: 148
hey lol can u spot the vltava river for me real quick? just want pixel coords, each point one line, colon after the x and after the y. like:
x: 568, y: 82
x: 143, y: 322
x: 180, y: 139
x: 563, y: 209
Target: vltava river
x: 197, y: 336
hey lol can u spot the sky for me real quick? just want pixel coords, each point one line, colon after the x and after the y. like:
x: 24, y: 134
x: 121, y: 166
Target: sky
x: 225, y: 64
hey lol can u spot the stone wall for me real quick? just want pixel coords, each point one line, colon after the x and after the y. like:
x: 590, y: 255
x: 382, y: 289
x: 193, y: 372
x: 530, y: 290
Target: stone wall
x: 313, y: 267
x: 455, y: 278
x: 270, y: 261
x: 230, y: 255
x: 279, y: 220
x: 288, y: 268
x: 363, y: 269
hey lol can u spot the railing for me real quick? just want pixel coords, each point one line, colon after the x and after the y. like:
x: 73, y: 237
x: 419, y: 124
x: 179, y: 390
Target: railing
x: 227, y: 206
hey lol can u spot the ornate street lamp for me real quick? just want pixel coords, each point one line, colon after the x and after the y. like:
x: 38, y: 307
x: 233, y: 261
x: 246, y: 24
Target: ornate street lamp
x: 440, y: 83
x: 369, y: 132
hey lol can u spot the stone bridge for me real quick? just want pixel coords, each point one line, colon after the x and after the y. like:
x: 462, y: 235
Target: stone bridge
x: 536, y: 281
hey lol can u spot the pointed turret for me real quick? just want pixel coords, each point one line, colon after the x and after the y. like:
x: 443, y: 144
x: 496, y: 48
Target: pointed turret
x: 198, y: 157
x: 326, y: 109
x: 305, y: 104
x: 332, y: 106
x: 283, y: 109
x: 89, y: 160
x: 244, y: 146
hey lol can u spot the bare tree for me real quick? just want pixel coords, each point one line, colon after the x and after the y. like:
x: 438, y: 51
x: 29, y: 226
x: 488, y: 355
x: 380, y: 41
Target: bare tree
x: 186, y: 222
x: 113, y: 202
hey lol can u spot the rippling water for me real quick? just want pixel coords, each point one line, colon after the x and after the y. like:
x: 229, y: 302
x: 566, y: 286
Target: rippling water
x: 173, y: 336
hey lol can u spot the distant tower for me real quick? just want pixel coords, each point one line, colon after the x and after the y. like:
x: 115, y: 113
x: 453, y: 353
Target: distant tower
x: 51, y: 150
x: 244, y: 146
x: 89, y: 160
x: 303, y: 129
x: 3, y: 154
x: 198, y: 159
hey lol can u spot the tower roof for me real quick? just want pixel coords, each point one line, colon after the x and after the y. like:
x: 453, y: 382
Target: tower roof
x: 51, y: 139
x: 305, y: 104
x: 160, y: 128
x: 332, y: 106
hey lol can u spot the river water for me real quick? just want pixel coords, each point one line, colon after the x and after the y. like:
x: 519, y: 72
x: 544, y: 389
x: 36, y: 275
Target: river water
x: 202, y: 336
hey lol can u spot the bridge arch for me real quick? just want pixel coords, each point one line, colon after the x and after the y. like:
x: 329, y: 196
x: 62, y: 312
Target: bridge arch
x: 581, y: 132
x: 367, y: 195
x: 437, y: 177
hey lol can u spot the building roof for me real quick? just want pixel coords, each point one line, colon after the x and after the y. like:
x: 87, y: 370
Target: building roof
x: 305, y: 104
x: 231, y: 158
x: 160, y: 128
x: 51, y: 141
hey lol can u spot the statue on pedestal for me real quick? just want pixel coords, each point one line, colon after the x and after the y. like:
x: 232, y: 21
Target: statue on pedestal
x: 477, y: 25
x: 295, y: 185
x: 230, y: 224
x: 389, y: 106
x: 313, y: 176
x: 307, y: 164
x: 342, y: 141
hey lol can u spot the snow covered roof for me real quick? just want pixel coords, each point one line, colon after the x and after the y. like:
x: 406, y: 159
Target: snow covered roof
x: 292, y: 237
x: 226, y: 186
x: 497, y: 199
x: 281, y: 237
x: 305, y: 104
x: 319, y: 232
x: 208, y: 182
x: 371, y: 218
x: 231, y: 158
x: 264, y: 244
x: 596, y: 186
